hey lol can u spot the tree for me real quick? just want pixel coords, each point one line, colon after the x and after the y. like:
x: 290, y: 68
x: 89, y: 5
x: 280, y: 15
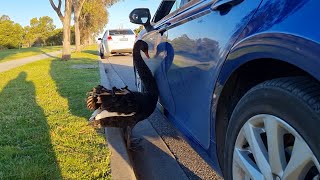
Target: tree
x: 45, y: 27
x: 10, y: 33
x: 5, y: 17
x: 93, y: 18
x: 28, y: 38
x: 39, y: 30
x: 65, y: 19
x: 57, y: 37
x: 77, y: 6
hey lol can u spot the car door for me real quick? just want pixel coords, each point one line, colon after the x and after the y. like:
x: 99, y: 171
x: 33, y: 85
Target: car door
x: 201, y: 34
x: 157, y: 50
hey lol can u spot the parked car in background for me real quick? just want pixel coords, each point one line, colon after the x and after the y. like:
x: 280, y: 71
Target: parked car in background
x: 241, y: 80
x: 115, y: 41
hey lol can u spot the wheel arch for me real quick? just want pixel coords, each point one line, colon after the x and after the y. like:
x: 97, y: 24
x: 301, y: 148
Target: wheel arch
x: 254, y: 60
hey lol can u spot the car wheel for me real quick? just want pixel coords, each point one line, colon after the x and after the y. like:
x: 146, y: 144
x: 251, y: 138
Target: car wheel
x: 273, y: 132
x: 102, y: 53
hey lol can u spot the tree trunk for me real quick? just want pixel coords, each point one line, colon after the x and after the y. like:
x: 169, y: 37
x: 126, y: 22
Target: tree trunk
x: 90, y: 41
x: 77, y: 33
x: 66, y: 51
x: 77, y: 5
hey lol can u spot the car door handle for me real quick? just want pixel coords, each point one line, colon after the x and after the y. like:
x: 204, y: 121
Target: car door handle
x: 225, y: 5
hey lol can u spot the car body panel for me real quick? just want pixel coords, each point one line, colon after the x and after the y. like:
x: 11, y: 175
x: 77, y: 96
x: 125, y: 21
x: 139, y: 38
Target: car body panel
x: 199, y: 53
x: 209, y: 47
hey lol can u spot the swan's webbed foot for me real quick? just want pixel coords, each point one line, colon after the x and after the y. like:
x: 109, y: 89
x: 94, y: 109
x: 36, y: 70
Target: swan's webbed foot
x: 135, y: 144
x: 136, y: 140
x: 135, y: 148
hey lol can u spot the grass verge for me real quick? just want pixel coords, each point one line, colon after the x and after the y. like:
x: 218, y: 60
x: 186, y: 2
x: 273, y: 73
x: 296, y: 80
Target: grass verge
x: 10, y: 54
x: 43, y: 122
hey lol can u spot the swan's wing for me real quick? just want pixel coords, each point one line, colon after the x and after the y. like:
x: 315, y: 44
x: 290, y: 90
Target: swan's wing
x: 122, y: 101
x: 92, y: 102
x: 93, y: 96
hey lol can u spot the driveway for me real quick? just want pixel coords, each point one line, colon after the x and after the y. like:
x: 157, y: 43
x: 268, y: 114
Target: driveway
x: 5, y: 66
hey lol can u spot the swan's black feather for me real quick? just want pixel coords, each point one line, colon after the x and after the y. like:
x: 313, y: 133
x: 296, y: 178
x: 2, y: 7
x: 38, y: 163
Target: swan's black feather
x: 137, y: 105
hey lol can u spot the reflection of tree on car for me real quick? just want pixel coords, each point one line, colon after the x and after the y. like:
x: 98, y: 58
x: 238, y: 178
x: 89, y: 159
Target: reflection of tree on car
x: 206, y: 48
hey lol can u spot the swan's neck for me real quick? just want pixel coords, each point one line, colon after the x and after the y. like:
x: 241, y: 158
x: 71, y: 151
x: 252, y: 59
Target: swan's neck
x: 144, y: 73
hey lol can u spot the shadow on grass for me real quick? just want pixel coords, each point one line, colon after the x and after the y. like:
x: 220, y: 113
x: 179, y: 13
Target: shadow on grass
x: 4, y: 54
x: 25, y: 145
x: 94, y: 52
x: 12, y: 52
x: 49, y: 55
x: 73, y: 83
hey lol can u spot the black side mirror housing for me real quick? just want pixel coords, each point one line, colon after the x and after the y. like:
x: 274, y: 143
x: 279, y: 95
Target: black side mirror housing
x: 100, y: 39
x: 141, y: 16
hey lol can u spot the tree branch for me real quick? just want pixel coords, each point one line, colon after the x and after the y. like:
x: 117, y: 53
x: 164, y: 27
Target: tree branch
x: 77, y: 4
x: 57, y: 9
x: 59, y: 5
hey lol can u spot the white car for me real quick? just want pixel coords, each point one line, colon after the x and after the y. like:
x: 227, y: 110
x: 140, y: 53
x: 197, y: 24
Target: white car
x: 116, y: 41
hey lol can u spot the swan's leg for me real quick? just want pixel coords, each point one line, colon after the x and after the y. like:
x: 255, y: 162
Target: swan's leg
x: 128, y: 136
x: 132, y: 143
x: 135, y: 140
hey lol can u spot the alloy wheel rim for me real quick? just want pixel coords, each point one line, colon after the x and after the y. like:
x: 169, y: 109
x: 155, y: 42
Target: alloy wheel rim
x: 269, y: 148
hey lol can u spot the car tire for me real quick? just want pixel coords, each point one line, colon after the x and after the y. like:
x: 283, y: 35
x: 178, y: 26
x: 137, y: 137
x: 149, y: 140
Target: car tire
x: 268, y: 127
x: 102, y: 53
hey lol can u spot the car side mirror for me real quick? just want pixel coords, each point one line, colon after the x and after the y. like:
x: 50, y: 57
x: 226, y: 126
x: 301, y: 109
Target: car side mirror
x: 100, y: 39
x: 141, y: 16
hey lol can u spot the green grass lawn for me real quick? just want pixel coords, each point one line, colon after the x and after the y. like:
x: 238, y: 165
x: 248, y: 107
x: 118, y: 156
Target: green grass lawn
x: 10, y: 54
x: 43, y: 122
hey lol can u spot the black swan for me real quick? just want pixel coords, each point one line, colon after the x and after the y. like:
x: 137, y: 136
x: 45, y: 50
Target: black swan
x: 123, y: 108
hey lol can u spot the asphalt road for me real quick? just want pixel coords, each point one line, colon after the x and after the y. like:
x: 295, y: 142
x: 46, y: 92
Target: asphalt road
x: 191, y: 163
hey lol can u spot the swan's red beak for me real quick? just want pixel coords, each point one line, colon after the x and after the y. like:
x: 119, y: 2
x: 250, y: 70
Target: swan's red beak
x: 147, y: 54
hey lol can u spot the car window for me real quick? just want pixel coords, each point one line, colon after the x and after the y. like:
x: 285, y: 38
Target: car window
x: 169, y: 8
x: 105, y: 35
x: 120, y: 32
x: 175, y: 6
x: 163, y: 10
x: 183, y: 2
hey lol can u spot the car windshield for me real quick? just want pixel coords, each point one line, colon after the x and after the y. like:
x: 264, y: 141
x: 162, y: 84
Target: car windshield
x: 120, y: 32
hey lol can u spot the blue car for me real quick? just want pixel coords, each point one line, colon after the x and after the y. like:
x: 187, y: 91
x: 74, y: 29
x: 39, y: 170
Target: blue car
x: 241, y: 80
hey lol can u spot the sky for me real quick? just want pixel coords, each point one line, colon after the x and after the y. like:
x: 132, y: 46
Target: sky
x: 21, y: 11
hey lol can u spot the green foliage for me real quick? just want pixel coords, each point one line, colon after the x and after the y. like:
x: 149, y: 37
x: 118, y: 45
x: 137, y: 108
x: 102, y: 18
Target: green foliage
x: 43, y: 122
x: 4, y: 17
x: 10, y: 33
x: 93, y: 18
x: 39, y: 31
x: 57, y: 37
x: 13, y: 35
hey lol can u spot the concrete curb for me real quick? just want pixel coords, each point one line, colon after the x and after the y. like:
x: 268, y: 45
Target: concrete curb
x: 121, y: 165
